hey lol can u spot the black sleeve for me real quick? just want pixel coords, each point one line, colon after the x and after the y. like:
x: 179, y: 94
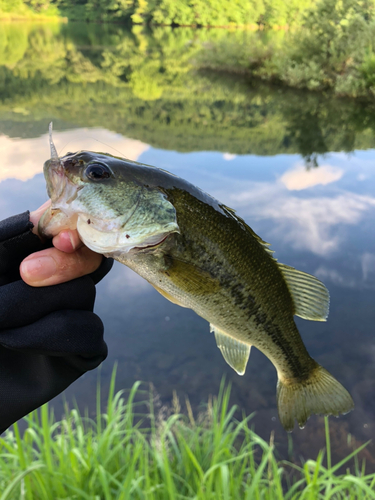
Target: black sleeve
x: 49, y: 336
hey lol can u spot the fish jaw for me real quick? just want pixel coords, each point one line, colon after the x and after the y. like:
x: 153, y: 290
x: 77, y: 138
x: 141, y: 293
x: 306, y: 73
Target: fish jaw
x: 56, y: 179
x: 114, y: 243
x: 62, y: 191
x: 53, y: 221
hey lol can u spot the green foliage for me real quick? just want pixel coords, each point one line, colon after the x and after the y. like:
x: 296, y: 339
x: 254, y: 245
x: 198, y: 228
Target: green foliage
x: 282, y: 13
x: 208, y: 12
x: 367, y: 69
x: 331, y: 24
x: 13, y: 45
x: 331, y: 50
x: 337, y: 34
x: 11, y: 6
x: 137, y: 451
x: 38, y: 5
x: 171, y: 12
x: 146, y: 86
x: 28, y: 9
x: 193, y: 12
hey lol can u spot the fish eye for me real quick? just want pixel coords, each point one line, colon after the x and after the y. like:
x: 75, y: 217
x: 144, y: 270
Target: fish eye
x: 97, y: 172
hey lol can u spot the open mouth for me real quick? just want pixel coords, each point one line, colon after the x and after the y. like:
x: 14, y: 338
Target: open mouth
x: 61, y: 189
x: 56, y: 180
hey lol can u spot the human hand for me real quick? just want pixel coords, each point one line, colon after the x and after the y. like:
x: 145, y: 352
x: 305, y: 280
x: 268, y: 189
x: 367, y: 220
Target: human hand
x: 67, y: 260
x: 49, y: 336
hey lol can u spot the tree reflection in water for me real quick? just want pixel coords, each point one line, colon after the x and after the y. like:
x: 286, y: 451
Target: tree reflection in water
x: 149, y: 86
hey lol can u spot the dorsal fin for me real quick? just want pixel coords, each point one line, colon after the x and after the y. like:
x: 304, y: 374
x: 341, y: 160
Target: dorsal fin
x: 232, y: 213
x: 235, y: 353
x: 310, y: 296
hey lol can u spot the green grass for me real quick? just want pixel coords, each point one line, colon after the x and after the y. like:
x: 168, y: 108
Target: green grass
x: 129, y: 454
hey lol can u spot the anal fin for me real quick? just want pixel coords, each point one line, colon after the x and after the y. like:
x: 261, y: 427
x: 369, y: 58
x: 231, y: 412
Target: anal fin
x: 235, y: 353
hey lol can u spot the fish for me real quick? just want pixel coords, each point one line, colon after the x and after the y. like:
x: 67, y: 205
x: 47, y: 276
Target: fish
x: 198, y: 253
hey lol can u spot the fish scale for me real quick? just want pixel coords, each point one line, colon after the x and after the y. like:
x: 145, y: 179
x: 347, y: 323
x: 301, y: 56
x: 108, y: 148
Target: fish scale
x: 234, y: 263
x: 199, y: 254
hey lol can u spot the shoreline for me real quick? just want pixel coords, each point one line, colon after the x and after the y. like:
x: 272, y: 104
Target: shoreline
x: 12, y: 17
x: 5, y: 17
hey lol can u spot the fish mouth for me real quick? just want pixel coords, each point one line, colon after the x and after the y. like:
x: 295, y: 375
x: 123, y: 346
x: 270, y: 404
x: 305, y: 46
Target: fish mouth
x: 60, y: 188
x: 152, y: 243
x: 56, y: 179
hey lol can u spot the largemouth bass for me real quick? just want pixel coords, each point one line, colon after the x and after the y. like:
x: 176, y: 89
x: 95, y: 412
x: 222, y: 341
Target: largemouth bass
x: 199, y: 254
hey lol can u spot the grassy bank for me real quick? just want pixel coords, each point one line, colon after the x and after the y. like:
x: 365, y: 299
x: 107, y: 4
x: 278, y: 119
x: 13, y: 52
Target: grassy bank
x: 135, y: 452
x: 9, y: 17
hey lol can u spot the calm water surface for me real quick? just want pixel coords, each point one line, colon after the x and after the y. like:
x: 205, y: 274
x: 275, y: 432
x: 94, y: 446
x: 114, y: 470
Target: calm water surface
x: 309, y: 191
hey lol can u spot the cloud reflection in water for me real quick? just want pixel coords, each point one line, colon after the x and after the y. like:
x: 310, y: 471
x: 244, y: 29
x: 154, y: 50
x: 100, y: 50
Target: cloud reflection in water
x: 300, y: 177
x: 23, y: 158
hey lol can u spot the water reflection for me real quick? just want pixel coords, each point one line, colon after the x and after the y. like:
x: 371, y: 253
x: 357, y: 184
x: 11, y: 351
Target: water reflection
x: 323, y: 229
x: 20, y: 158
x: 150, y: 86
x: 254, y: 145
x: 299, y: 177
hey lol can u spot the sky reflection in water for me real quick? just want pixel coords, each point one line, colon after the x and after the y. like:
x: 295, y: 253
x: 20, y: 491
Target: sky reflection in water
x: 318, y: 220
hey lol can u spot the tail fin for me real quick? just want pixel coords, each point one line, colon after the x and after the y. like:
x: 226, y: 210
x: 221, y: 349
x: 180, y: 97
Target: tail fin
x: 320, y: 394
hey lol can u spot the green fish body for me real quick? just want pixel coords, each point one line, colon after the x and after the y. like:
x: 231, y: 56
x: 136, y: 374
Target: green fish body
x: 199, y: 254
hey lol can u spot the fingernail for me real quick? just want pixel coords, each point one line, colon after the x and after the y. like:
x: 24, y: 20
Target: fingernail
x: 72, y: 240
x: 39, y: 269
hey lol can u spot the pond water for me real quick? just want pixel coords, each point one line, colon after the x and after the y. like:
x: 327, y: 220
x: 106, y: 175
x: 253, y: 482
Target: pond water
x: 297, y: 167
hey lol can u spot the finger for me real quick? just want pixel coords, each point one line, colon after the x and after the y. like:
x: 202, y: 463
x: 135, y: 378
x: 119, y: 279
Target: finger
x: 24, y: 305
x: 51, y: 266
x: 36, y: 215
x: 67, y: 241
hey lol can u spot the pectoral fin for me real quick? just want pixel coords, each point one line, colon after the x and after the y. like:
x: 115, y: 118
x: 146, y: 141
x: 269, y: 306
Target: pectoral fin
x: 168, y: 296
x: 190, y: 278
x: 235, y: 353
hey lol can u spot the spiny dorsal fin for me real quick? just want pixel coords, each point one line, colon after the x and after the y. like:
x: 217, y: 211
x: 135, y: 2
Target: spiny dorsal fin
x: 310, y: 296
x: 232, y: 213
x: 235, y: 353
